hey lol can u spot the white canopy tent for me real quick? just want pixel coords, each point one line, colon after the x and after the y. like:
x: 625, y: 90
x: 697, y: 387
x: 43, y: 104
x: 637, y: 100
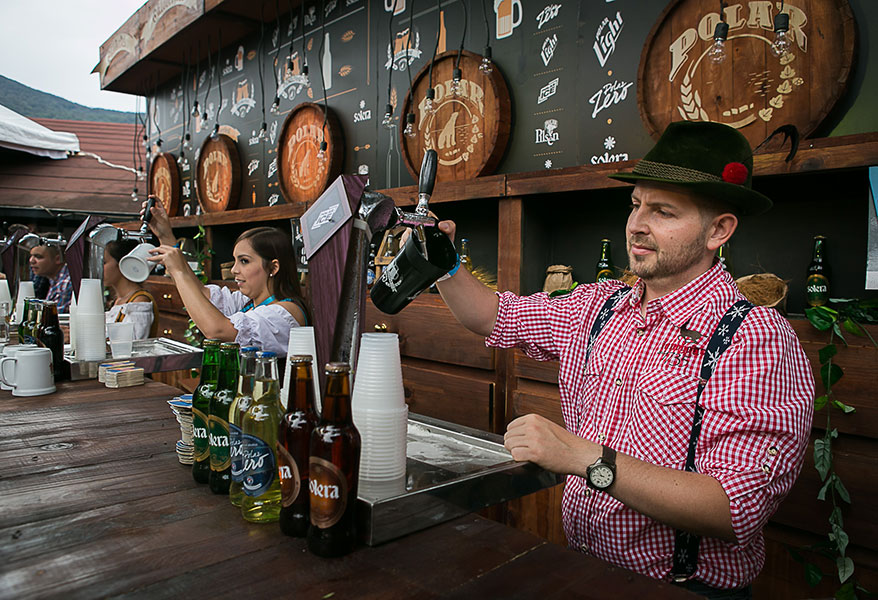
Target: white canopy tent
x: 20, y: 133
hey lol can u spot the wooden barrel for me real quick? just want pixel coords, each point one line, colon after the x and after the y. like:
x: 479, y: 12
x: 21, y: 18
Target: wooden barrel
x: 218, y: 174
x: 164, y: 182
x: 469, y: 131
x: 752, y: 90
x: 301, y: 175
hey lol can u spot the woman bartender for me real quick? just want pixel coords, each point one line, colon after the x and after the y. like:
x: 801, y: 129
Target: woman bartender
x: 268, y: 302
x: 132, y: 303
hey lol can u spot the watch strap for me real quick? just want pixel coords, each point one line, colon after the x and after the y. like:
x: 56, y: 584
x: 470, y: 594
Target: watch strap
x: 608, y: 456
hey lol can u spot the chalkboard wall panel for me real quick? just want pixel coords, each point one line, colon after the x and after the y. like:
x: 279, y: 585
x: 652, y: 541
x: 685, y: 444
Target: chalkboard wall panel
x: 571, y: 66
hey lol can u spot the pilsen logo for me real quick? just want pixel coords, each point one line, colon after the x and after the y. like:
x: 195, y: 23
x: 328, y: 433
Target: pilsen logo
x: 215, y: 164
x: 606, y: 36
x: 404, y: 50
x: 755, y: 20
x: 455, y: 127
x: 548, y: 134
x: 160, y: 9
x: 243, y: 99
x: 306, y: 171
x: 289, y: 73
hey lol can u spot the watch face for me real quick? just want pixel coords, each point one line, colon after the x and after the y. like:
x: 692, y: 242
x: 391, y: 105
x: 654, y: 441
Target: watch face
x: 601, y: 477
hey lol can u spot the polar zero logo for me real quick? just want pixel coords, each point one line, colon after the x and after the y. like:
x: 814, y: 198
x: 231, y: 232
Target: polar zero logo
x: 609, y: 95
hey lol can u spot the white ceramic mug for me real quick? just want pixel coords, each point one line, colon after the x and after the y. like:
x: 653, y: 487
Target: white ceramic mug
x: 11, y: 351
x: 29, y: 372
x: 135, y: 266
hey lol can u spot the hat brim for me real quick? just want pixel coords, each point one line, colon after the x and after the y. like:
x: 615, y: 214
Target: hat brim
x: 746, y: 200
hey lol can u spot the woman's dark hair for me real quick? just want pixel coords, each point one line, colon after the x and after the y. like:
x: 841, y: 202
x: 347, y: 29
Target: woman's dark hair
x: 120, y: 248
x: 270, y: 243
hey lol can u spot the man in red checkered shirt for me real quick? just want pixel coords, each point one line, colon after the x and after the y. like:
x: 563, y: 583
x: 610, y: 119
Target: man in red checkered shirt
x: 629, y: 388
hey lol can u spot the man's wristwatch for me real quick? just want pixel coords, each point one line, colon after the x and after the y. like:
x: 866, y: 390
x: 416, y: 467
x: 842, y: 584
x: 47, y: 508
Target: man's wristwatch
x: 602, y: 473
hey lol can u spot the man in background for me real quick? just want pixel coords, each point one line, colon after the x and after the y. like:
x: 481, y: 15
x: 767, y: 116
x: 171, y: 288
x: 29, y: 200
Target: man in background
x: 47, y: 262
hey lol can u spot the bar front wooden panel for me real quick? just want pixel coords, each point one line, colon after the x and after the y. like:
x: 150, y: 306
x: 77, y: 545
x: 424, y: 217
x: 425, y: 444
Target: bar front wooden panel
x: 463, y: 396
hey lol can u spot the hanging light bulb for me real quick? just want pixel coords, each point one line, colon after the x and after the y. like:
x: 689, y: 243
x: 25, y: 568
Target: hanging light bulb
x: 182, y: 158
x: 321, y: 154
x: 428, y: 104
x: 275, y: 106
x: 455, y: 82
x: 486, y: 66
x: 187, y: 142
x: 158, y: 144
x: 262, y: 130
x: 134, y: 195
x: 782, y: 43
x: 306, y: 81
x: 195, y: 108
x: 717, y: 52
x: 387, y: 121
x: 410, y: 131
x: 215, y: 131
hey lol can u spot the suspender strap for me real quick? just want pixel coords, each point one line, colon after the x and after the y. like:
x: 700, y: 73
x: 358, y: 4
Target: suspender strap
x: 603, y: 318
x: 686, y: 544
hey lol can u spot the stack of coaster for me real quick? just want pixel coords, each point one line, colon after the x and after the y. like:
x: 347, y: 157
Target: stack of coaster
x: 182, y: 407
x: 119, y: 377
x: 117, y: 364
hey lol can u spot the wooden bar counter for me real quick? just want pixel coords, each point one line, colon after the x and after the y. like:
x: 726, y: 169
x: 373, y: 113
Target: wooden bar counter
x: 94, y: 504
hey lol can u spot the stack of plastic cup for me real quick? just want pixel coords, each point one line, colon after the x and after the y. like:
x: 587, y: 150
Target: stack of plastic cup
x: 379, y: 408
x: 90, y: 328
x: 302, y: 342
x: 25, y: 290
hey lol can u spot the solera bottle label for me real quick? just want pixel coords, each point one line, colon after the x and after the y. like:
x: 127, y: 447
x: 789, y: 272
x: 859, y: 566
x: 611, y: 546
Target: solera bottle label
x: 220, y: 460
x: 817, y: 288
x: 200, y: 439
x: 290, y: 479
x: 329, y: 492
x: 235, y: 452
x: 258, y: 465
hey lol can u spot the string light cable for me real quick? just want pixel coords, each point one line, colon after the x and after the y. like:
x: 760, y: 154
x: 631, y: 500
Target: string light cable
x: 431, y: 93
x: 487, y: 64
x: 275, y: 105
x: 219, y: 83
x: 410, y: 130
x: 321, y: 154
x: 387, y: 121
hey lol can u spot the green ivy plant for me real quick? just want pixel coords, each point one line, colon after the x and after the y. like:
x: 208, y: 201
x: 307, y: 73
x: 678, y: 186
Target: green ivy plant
x: 842, y: 316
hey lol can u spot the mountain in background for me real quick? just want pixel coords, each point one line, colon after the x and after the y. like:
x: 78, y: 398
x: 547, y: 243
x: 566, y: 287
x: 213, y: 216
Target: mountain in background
x: 35, y: 104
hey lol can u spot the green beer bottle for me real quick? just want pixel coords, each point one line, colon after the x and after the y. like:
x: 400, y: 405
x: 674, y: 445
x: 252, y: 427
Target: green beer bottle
x: 262, y: 495
x: 817, y: 284
x: 22, y: 320
x: 465, y: 260
x: 201, y: 410
x: 604, y: 267
x: 247, y: 373
x: 218, y: 419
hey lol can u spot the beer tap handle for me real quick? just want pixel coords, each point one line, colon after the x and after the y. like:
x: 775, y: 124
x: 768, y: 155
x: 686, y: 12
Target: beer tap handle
x: 427, y: 180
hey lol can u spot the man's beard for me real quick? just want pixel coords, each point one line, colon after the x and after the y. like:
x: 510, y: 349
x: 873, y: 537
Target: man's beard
x: 662, y: 264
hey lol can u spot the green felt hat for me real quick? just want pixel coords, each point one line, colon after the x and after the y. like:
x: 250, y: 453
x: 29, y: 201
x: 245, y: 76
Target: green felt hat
x: 711, y: 159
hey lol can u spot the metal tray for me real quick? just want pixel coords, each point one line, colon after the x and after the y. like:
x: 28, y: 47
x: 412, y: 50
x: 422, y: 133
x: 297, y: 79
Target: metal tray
x: 154, y: 355
x: 451, y: 470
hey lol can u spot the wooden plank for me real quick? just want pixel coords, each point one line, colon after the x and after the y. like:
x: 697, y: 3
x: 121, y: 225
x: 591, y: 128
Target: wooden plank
x: 537, y: 398
x: 455, y: 394
x: 425, y: 321
x: 73, y: 393
x: 538, y: 370
x: 510, y: 232
x: 492, y: 186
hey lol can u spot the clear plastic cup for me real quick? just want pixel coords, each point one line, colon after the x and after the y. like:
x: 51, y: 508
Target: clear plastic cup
x: 90, y: 300
x: 378, y: 382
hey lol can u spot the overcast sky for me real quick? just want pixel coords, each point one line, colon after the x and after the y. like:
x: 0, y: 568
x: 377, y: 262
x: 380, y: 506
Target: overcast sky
x: 52, y: 45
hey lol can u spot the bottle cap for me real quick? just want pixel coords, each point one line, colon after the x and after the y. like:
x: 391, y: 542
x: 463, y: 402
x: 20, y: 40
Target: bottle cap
x: 300, y: 358
x: 266, y: 355
x: 337, y: 367
x: 249, y: 349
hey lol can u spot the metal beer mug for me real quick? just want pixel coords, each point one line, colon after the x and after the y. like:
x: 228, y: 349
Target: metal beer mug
x: 411, y: 273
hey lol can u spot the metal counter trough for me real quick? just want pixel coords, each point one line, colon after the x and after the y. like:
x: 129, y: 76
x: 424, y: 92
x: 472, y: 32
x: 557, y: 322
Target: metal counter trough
x: 154, y: 355
x: 451, y: 470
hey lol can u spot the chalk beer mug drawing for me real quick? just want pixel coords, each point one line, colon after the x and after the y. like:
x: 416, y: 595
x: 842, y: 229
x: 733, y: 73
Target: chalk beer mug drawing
x: 506, y: 23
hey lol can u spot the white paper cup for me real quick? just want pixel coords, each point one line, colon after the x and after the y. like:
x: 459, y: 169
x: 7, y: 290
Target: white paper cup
x: 383, y: 435
x: 25, y: 290
x: 91, y: 337
x: 90, y: 300
x: 134, y: 265
x: 378, y: 382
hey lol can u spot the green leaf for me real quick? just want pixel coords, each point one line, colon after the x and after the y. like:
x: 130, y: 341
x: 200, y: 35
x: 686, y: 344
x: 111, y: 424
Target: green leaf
x: 845, y: 568
x: 845, y: 408
x: 827, y: 352
x: 842, y: 491
x: 854, y: 327
x: 819, y: 318
x: 822, y: 458
x: 838, y: 332
x: 830, y: 374
x: 835, y: 518
x: 820, y: 402
x: 840, y: 537
x: 846, y: 592
x: 821, y: 495
x: 813, y: 574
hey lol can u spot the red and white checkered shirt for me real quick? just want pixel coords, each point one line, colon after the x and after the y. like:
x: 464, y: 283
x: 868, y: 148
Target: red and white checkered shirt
x: 637, y: 395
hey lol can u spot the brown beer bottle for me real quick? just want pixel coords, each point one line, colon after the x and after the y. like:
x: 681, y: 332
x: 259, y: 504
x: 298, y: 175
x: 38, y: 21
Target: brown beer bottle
x: 334, y: 469
x: 293, y: 448
x: 48, y: 333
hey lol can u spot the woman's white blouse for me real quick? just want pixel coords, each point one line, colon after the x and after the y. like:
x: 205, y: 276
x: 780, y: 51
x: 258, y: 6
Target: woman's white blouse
x: 267, y: 327
x: 139, y: 313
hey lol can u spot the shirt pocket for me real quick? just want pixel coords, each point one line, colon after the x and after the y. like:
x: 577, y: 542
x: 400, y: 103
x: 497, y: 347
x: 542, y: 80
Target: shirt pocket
x: 661, y: 419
